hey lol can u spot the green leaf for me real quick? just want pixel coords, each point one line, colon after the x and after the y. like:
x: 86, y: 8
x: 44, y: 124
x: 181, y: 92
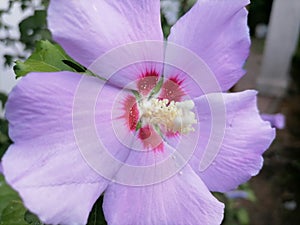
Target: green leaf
x: 47, y: 57
x: 13, y: 214
x: 75, y: 66
x: 96, y: 216
x: 157, y: 87
x: 34, y: 28
x: 6, y: 195
x: 8, y: 60
x: 139, y: 125
x: 243, y: 217
x: 32, y: 219
x: 3, y: 99
x: 11, y: 208
x: 137, y: 95
x: 4, y: 139
x: 251, y: 195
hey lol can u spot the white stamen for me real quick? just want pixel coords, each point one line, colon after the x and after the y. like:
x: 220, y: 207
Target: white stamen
x: 175, y: 116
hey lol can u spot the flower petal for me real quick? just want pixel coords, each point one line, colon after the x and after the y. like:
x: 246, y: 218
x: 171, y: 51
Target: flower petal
x: 45, y: 164
x: 53, y: 179
x: 39, y: 102
x: 103, y: 135
x: 172, y: 90
x: 217, y: 32
x: 245, y: 137
x: 183, y: 199
x: 86, y: 31
x: 276, y: 120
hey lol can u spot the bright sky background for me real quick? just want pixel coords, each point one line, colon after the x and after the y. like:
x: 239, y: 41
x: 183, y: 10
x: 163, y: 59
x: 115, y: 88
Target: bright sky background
x: 7, y: 77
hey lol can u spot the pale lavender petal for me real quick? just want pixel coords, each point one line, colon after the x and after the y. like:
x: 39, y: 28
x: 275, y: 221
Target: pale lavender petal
x: 183, y: 199
x: 45, y: 164
x: 217, y: 32
x: 87, y: 30
x: 40, y: 101
x: 245, y: 137
x: 53, y: 179
x: 124, y: 144
x: 276, y: 120
x: 125, y: 65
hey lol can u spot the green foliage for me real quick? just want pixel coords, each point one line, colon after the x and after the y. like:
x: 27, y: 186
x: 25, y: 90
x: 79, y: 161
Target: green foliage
x: 250, y: 193
x: 4, y: 139
x: 157, y: 87
x: 7, y: 195
x: 47, y: 57
x: 165, y: 26
x: 31, y: 28
x: 8, y: 59
x: 11, y: 208
x: 96, y: 216
x: 34, y: 28
x: 184, y: 6
x: 235, y: 211
x: 242, y: 216
x: 3, y: 99
x: 32, y: 219
x: 13, y: 214
x: 259, y: 12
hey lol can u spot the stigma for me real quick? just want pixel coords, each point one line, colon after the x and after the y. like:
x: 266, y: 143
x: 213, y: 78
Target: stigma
x: 171, y: 115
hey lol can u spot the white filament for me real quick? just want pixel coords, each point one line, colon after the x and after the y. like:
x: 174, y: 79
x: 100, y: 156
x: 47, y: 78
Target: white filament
x: 175, y: 116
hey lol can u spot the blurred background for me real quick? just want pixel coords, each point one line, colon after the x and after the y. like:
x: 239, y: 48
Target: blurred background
x: 273, y: 67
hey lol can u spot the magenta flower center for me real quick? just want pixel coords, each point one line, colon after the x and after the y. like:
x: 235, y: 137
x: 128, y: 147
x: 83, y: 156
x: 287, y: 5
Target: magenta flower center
x: 168, y: 115
x: 158, y: 110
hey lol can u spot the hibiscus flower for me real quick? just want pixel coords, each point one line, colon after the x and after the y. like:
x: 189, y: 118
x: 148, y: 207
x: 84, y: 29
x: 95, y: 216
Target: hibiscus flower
x: 155, y: 134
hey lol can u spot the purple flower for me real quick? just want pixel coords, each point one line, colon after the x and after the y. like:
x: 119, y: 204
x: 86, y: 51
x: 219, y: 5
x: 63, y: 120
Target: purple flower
x: 157, y: 136
x: 276, y: 120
